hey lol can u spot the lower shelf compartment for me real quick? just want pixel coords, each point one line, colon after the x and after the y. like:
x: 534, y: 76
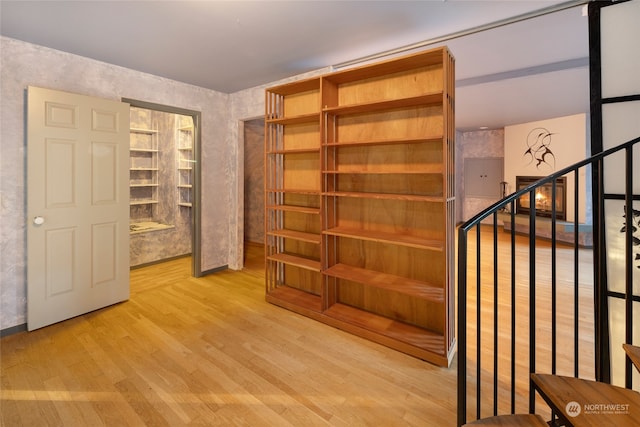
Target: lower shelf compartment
x: 409, y: 339
x: 295, y: 299
x: 412, y: 340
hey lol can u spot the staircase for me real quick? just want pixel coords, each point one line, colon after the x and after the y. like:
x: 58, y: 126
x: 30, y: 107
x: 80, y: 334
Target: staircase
x: 514, y: 364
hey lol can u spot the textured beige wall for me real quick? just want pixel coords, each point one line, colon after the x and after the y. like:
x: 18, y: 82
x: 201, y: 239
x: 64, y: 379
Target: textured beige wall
x: 25, y: 64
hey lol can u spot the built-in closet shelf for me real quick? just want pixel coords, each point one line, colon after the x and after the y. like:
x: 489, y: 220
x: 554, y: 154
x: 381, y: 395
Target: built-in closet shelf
x: 143, y: 150
x: 184, y: 165
x: 144, y: 131
x: 144, y: 169
x: 142, y: 202
x: 414, y: 101
x: 297, y: 261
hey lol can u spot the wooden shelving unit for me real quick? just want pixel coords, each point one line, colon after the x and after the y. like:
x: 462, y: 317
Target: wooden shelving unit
x: 364, y: 158
x: 293, y: 196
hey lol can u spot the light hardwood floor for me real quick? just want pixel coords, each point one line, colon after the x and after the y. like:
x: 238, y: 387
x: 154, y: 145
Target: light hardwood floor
x: 211, y: 351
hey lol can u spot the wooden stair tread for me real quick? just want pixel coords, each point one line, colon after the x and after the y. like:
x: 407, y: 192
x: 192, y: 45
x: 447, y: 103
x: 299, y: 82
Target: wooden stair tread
x: 515, y: 420
x: 559, y: 391
x: 633, y: 352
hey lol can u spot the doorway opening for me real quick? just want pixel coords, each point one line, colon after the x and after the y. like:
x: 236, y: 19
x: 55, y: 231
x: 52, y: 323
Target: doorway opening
x: 253, y: 165
x: 164, y: 177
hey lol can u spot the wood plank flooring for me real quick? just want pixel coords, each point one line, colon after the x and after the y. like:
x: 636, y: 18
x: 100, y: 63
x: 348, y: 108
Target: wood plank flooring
x: 210, y: 351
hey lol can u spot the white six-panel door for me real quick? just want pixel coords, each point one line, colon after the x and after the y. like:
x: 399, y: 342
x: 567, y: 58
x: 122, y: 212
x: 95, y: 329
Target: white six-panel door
x: 77, y: 205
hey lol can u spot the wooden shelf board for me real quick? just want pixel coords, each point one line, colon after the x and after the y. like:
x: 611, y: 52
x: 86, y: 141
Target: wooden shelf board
x: 306, y: 263
x: 382, y: 237
x: 289, y: 297
x: 392, y: 65
x: 303, y: 118
x: 185, y: 186
x: 294, y: 191
x: 414, y: 101
x: 296, y: 87
x: 142, y: 185
x: 290, y: 208
x: 295, y: 151
x: 390, y: 196
x: 296, y: 235
x: 385, y: 281
x: 435, y: 169
x: 184, y: 204
x: 398, y: 331
x: 143, y: 169
x: 435, y: 139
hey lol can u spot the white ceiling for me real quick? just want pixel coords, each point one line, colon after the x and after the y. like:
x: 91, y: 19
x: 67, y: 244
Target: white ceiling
x: 530, y: 70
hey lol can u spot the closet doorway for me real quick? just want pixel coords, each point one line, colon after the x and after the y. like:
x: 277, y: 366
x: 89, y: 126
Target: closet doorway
x: 164, y: 174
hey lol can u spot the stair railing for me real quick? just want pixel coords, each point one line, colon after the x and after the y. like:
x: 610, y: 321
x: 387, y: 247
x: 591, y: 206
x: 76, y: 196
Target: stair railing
x: 553, y: 331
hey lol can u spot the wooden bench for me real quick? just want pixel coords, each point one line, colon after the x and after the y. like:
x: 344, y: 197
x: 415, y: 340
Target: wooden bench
x: 515, y: 420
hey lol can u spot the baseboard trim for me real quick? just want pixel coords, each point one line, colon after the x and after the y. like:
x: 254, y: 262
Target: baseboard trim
x: 13, y: 330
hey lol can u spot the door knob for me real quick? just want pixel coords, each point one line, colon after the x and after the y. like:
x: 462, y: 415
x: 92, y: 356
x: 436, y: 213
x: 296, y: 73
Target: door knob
x: 38, y: 220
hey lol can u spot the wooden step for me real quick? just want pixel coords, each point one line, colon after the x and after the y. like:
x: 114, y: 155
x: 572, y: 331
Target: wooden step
x: 515, y: 420
x: 588, y: 403
x: 633, y: 352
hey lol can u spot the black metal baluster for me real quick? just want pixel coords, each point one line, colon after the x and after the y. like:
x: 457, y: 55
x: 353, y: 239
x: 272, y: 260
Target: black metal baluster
x: 513, y: 308
x: 495, y: 313
x: 532, y: 298
x: 576, y: 280
x: 478, y: 323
